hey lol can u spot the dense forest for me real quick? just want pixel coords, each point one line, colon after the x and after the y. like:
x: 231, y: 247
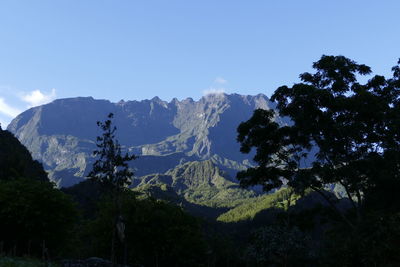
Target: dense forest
x: 330, y: 179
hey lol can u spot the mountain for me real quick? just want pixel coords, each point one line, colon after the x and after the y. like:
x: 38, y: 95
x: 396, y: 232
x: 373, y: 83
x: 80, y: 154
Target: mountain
x: 163, y: 134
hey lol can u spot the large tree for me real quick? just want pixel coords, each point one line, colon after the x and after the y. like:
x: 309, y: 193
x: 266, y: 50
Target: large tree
x: 112, y: 171
x: 341, y: 131
x: 111, y: 168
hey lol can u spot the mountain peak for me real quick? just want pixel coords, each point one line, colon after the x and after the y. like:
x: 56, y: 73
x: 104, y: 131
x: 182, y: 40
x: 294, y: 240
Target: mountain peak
x: 156, y: 98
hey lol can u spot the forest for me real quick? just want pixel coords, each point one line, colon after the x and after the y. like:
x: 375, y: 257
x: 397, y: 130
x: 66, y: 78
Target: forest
x: 330, y: 177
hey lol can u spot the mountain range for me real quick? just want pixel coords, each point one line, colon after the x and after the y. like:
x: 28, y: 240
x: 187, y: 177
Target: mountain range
x: 163, y: 134
x: 186, y: 149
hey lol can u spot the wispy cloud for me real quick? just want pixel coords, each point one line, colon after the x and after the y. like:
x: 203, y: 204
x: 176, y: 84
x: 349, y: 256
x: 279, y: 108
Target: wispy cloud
x: 217, y: 87
x: 8, y: 110
x: 220, y: 80
x: 214, y: 91
x: 37, y: 98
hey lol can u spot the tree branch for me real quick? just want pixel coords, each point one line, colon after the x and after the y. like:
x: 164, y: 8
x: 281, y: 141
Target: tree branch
x: 333, y: 206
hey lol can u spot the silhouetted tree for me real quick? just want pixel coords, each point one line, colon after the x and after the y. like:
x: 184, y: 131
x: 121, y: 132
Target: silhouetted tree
x: 111, y: 168
x: 341, y: 131
x: 112, y: 171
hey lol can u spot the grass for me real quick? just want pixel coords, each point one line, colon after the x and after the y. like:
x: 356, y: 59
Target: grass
x: 24, y: 262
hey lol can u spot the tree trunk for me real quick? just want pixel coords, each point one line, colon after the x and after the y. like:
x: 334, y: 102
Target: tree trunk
x: 113, y: 258
x: 29, y: 248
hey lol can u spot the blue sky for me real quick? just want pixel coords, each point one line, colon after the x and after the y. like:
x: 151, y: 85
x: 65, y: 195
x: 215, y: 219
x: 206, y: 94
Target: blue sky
x: 134, y: 50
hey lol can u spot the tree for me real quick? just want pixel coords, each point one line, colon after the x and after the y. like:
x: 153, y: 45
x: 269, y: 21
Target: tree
x: 34, y: 216
x: 111, y: 168
x: 112, y: 171
x: 279, y: 246
x: 341, y: 132
x: 165, y: 235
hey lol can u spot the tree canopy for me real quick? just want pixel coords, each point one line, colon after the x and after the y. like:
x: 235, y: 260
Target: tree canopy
x: 341, y: 131
x: 33, y: 212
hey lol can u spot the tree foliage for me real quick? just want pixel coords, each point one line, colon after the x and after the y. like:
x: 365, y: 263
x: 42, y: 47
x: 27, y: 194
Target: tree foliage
x: 112, y: 171
x: 157, y: 233
x: 342, y: 132
x: 33, y: 214
x: 279, y: 245
x: 111, y: 168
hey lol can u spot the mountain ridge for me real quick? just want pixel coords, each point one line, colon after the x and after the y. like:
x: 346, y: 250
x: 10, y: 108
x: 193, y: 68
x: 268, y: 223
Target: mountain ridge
x: 164, y: 134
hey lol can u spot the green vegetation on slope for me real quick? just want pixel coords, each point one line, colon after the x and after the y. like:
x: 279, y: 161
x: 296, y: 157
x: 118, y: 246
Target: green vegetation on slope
x: 251, y: 207
x: 201, y: 183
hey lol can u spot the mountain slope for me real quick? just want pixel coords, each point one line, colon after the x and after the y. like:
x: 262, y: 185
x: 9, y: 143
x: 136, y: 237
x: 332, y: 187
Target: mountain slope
x: 199, y: 182
x: 16, y: 161
x: 164, y: 134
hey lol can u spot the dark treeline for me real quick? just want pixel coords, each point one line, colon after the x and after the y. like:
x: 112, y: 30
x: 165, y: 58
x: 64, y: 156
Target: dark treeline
x: 344, y: 141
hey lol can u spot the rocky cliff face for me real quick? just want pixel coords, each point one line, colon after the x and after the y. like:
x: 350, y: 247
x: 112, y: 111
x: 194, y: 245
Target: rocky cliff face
x: 164, y: 134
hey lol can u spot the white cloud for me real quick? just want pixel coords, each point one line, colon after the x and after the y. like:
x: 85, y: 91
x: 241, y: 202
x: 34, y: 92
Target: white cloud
x: 8, y: 110
x: 220, y: 80
x: 214, y: 91
x: 37, y: 98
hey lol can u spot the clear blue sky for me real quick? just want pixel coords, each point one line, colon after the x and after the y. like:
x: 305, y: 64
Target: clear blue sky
x: 135, y: 50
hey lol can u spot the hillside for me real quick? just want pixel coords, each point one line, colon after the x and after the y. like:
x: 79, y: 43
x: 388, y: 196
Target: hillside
x: 200, y: 182
x: 16, y: 161
x: 250, y: 208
